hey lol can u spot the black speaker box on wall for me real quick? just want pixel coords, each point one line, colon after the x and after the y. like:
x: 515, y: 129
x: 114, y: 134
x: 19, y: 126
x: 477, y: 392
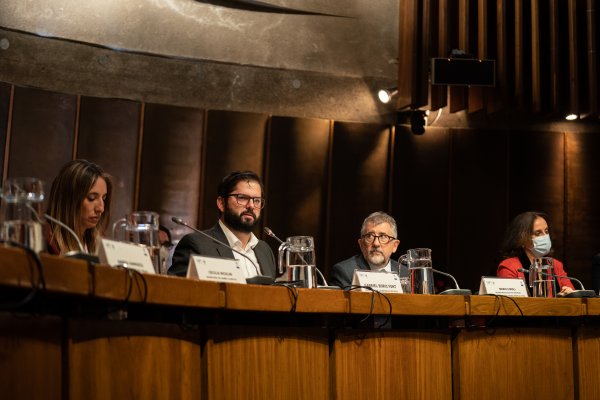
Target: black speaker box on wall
x: 463, y: 72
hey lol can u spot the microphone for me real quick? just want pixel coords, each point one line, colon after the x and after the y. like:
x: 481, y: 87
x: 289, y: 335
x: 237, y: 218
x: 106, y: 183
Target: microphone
x: 458, y: 291
x: 259, y: 279
x: 576, y: 294
x: 81, y: 254
x: 269, y: 232
x: 68, y: 228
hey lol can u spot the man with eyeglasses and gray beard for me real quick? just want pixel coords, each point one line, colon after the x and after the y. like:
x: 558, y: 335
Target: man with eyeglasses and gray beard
x: 377, y: 242
x: 240, y: 201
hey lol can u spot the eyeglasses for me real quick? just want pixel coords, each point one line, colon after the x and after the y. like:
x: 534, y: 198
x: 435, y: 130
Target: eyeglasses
x: 369, y: 238
x: 242, y: 200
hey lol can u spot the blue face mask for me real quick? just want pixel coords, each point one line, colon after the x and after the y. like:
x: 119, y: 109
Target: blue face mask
x: 541, y: 246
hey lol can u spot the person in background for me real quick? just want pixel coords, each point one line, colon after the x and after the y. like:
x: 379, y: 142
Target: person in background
x: 239, y: 201
x: 378, y: 240
x: 166, y: 245
x: 80, y: 198
x: 528, y: 238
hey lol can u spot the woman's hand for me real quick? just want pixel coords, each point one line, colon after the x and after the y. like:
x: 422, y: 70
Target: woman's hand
x: 565, y: 290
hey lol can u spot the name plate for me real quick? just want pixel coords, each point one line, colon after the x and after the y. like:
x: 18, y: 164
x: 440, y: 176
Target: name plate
x: 215, y: 269
x: 129, y: 255
x: 386, y: 282
x: 512, y: 287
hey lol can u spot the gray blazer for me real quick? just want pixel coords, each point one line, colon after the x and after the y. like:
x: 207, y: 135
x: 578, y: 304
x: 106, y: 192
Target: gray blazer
x: 342, y: 272
x: 195, y: 243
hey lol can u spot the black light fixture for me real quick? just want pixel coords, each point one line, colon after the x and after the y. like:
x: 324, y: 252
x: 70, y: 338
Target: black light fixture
x: 417, y: 119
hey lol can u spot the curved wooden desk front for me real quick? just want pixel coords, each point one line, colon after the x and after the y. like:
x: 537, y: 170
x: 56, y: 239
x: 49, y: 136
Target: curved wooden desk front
x: 188, y: 339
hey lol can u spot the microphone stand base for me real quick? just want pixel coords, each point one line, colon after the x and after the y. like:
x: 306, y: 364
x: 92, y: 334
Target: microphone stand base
x: 580, y: 294
x: 457, y: 292
x: 91, y: 258
x: 260, y: 280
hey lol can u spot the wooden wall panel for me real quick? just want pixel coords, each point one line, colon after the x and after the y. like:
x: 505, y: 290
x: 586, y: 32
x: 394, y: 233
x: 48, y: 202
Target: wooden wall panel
x: 359, y: 183
x: 108, y: 136
x: 5, y: 90
x: 30, y: 358
x: 171, y: 163
x: 477, y: 204
x: 503, y: 363
x: 392, y: 365
x: 298, y: 162
x: 43, y: 126
x: 234, y: 141
x: 112, y: 360
x: 293, y: 363
x: 537, y: 179
x: 420, y: 191
x: 587, y: 354
x: 582, y: 224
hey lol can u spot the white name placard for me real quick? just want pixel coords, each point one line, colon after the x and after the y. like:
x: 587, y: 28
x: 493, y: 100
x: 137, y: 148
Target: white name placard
x: 512, y: 287
x: 382, y: 281
x: 215, y: 269
x: 129, y: 255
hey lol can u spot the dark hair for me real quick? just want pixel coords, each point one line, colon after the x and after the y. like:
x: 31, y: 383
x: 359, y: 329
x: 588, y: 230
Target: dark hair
x: 167, y: 231
x: 519, y: 233
x: 228, y: 183
x: 68, y: 191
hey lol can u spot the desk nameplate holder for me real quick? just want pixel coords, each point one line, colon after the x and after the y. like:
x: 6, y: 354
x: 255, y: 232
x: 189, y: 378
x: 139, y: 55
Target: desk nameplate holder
x: 385, y: 282
x: 129, y: 255
x: 512, y: 287
x: 215, y: 269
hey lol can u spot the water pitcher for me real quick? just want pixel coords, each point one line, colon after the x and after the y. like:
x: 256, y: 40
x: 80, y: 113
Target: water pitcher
x: 140, y: 227
x: 420, y: 270
x: 22, y: 206
x: 297, y: 261
x: 541, y: 277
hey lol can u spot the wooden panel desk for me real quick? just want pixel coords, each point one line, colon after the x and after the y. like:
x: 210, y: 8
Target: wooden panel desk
x: 177, y: 338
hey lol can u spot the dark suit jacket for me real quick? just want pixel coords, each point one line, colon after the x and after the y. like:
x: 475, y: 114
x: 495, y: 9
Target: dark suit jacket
x: 195, y: 243
x: 341, y: 274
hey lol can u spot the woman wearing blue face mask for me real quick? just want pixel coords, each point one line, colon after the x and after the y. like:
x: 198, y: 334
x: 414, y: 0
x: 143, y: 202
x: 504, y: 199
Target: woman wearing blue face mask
x: 528, y: 238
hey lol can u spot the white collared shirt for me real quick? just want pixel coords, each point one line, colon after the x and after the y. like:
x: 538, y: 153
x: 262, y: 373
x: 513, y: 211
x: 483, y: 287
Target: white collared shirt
x: 387, y: 268
x: 247, y: 267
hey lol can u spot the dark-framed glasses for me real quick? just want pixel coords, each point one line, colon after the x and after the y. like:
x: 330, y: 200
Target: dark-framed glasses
x: 383, y: 238
x: 242, y: 200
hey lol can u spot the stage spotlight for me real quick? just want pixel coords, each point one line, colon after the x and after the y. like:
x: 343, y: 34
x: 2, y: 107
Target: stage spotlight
x: 385, y: 95
x: 572, y: 117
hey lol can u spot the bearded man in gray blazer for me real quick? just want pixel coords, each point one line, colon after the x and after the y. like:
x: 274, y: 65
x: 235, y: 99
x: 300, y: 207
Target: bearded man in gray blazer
x: 240, y: 201
x: 378, y: 240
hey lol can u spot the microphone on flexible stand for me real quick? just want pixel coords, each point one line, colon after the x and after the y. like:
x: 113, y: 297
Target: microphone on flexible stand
x: 258, y: 279
x: 81, y: 254
x: 575, y: 294
x: 269, y: 232
x: 458, y: 291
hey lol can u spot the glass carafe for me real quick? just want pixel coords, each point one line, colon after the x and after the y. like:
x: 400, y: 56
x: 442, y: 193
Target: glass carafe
x: 297, y: 261
x: 21, y: 212
x: 140, y: 227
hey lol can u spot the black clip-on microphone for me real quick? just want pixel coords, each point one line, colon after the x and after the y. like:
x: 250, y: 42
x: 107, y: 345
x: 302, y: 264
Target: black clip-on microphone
x: 255, y: 280
x: 575, y: 294
x: 458, y: 291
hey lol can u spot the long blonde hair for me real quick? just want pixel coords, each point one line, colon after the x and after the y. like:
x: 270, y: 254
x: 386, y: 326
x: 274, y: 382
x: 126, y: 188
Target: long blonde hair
x: 68, y: 191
